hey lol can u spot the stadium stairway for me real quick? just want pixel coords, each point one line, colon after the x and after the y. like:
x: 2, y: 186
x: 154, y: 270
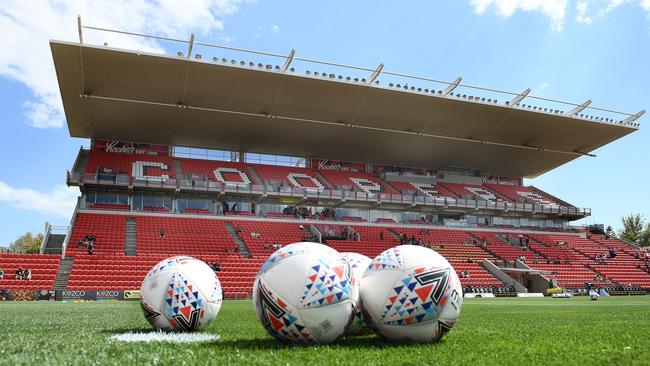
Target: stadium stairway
x: 54, y: 244
x: 240, y: 242
x: 130, y: 242
x: 180, y: 174
x: 322, y: 178
x: 393, y: 233
x: 63, y: 273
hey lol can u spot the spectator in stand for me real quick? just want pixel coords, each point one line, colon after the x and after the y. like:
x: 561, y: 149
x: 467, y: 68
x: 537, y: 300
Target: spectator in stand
x: 28, y: 274
x: 2, y: 274
x: 637, y: 255
x: 216, y: 266
x: 91, y: 248
x: 464, y: 274
x: 267, y: 246
x: 235, y: 207
x: 381, y: 235
x: 162, y: 233
x: 470, y: 260
x: 19, y: 273
x: 527, y: 241
x: 521, y: 240
x: 612, y: 253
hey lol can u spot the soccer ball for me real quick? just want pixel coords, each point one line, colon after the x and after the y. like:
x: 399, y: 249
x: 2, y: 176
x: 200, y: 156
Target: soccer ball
x: 358, y: 264
x: 180, y: 294
x: 411, y: 294
x: 302, y: 294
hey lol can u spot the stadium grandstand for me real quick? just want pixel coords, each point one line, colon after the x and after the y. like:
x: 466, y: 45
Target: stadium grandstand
x: 227, y: 154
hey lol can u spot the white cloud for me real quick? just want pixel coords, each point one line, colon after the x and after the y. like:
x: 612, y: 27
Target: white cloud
x: 28, y: 25
x: 60, y: 201
x: 544, y: 86
x: 275, y: 29
x: 581, y: 8
x: 555, y: 10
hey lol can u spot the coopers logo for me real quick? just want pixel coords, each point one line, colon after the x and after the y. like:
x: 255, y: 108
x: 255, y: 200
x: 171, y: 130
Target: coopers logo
x: 119, y: 147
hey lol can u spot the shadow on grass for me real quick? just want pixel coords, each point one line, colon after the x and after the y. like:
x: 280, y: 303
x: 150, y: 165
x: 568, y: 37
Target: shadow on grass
x: 271, y: 343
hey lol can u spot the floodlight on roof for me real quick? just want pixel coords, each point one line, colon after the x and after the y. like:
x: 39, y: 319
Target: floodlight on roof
x: 348, y: 78
x: 179, y: 54
x: 308, y: 72
x: 198, y: 56
x: 243, y: 63
x: 215, y: 59
x: 633, y: 118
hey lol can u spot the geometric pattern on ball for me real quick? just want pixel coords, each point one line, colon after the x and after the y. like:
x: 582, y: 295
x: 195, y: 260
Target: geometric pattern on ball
x: 388, y: 259
x: 327, y: 284
x: 183, y: 305
x: 276, y: 316
x: 180, y: 294
x: 418, y: 297
x: 302, y: 294
x: 411, y: 294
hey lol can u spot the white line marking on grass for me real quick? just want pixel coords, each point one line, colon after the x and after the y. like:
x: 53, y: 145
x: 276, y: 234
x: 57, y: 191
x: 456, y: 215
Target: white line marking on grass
x: 165, y: 337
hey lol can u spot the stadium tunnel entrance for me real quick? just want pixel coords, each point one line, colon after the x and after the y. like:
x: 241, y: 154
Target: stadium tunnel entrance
x: 534, y: 281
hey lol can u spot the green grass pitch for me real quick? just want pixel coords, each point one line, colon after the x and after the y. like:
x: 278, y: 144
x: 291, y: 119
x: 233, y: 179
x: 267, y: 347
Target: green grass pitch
x: 506, y: 331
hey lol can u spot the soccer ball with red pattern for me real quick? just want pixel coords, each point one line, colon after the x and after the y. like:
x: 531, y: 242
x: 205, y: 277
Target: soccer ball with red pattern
x: 302, y: 294
x: 411, y: 294
x: 180, y: 294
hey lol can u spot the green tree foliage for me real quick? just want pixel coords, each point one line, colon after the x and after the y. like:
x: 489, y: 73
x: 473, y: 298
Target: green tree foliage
x: 27, y: 243
x: 635, y: 230
x: 609, y: 231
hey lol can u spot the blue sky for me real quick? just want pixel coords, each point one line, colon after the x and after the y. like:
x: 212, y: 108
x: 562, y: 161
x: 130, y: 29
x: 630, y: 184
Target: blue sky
x: 569, y: 50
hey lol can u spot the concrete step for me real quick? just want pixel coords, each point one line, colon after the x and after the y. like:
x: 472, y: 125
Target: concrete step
x: 63, y: 273
x: 240, y: 242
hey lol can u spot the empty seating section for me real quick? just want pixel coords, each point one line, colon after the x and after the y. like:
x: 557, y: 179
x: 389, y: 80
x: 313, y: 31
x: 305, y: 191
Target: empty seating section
x: 452, y: 244
x: 570, y: 275
x: 196, y: 211
x: 471, y: 191
x: 357, y: 181
x: 42, y: 266
x: 140, y: 167
x: 569, y: 259
x: 476, y: 274
x: 522, y: 194
x: 191, y: 236
x: 257, y: 234
x: 110, y: 231
x: 501, y: 248
x: 295, y: 177
x: 226, y: 172
x: 624, y: 274
x: 558, y: 253
x: 430, y: 190
x: 119, y: 272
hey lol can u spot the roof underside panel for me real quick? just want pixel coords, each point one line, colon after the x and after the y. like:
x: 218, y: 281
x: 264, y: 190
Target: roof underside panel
x: 134, y: 96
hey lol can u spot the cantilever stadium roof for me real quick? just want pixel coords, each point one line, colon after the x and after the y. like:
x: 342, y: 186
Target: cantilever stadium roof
x: 126, y: 95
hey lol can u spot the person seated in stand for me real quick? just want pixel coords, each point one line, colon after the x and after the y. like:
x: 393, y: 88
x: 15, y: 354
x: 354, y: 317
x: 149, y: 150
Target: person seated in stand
x: 27, y: 274
x: 216, y: 266
x: 381, y: 235
x: 470, y: 260
x: 19, y: 273
x: 2, y: 274
x: 91, y: 248
x: 162, y: 233
x: 637, y: 255
x: 464, y: 274
x: 267, y: 246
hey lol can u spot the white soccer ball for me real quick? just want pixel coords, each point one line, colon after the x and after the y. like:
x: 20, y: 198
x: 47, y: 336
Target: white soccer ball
x: 411, y: 294
x: 302, y: 294
x: 180, y: 294
x: 358, y: 264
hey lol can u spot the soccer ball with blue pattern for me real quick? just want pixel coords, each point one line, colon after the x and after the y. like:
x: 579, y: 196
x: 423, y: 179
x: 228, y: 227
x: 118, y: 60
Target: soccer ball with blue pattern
x: 180, y: 294
x: 302, y: 294
x: 411, y: 294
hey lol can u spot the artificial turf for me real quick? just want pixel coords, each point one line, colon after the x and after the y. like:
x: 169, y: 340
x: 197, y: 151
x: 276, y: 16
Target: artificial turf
x: 505, y: 331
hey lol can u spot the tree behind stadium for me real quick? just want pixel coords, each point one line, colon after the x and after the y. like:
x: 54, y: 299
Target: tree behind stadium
x: 27, y: 243
x: 635, y: 230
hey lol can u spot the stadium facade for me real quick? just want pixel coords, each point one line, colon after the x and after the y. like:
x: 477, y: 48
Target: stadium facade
x: 221, y: 154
